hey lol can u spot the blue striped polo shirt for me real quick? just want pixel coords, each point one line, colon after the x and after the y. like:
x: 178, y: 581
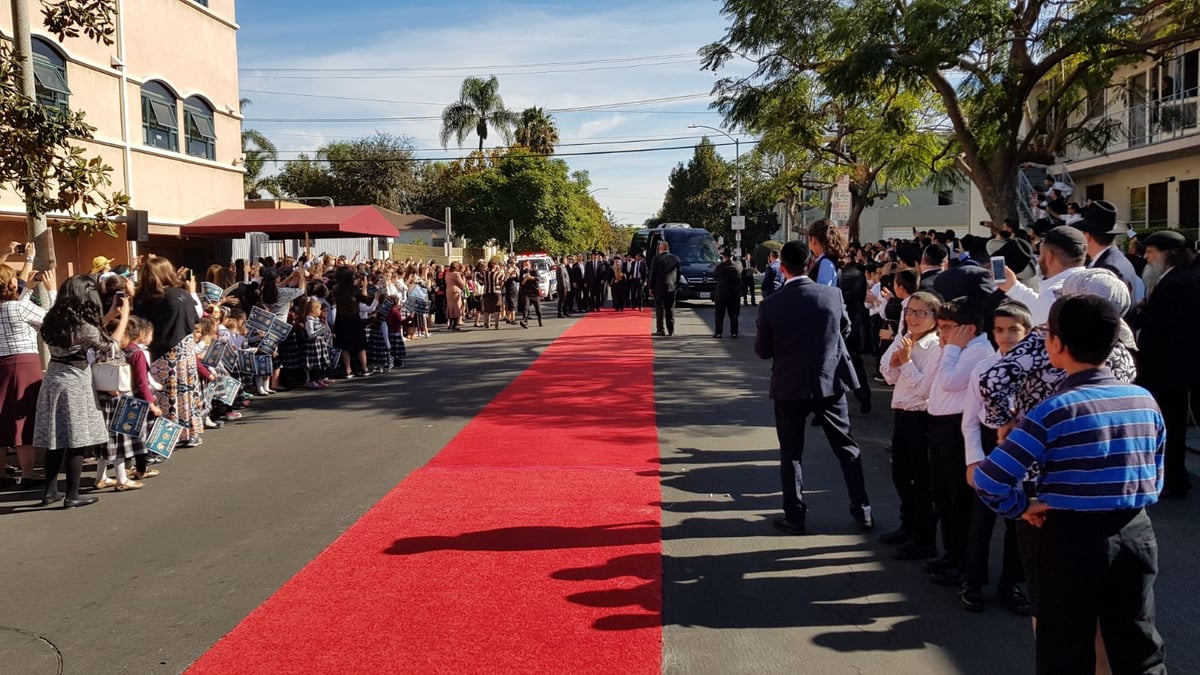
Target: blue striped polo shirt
x: 1100, y: 445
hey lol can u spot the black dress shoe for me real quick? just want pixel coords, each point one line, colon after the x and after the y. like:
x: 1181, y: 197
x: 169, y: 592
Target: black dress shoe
x: 951, y: 577
x: 782, y: 523
x: 914, y: 551
x: 82, y: 501
x: 51, y: 501
x: 1014, y: 598
x: 734, y: 336
x: 717, y: 335
x: 971, y: 598
x: 896, y: 536
x: 660, y: 333
x: 940, y: 565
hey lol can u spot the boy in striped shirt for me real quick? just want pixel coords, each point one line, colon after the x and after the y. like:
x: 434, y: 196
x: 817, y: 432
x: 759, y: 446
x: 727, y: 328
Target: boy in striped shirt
x: 1099, y: 443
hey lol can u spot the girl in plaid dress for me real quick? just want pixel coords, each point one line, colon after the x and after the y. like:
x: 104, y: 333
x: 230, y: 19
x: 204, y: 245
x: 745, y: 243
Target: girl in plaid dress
x: 120, y: 447
x: 395, y: 327
x: 379, y: 348
x: 316, y: 352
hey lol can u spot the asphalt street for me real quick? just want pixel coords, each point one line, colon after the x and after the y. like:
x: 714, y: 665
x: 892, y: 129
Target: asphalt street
x: 145, y: 582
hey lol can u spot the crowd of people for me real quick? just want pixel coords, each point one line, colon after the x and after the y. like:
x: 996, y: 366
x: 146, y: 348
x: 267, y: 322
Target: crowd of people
x: 195, y: 349
x: 1032, y: 380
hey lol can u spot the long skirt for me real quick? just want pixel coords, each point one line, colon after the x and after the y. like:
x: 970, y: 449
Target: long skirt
x: 120, y: 447
x: 379, y: 353
x: 68, y: 414
x: 180, y: 397
x: 399, y: 350
x: 20, y: 382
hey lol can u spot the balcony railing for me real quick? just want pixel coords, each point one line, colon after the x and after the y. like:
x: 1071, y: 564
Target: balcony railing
x: 1142, y: 125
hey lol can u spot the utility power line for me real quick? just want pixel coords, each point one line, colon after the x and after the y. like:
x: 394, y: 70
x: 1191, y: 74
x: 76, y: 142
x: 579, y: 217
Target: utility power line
x: 516, y: 73
x: 592, y: 153
x: 557, y: 145
x: 542, y: 64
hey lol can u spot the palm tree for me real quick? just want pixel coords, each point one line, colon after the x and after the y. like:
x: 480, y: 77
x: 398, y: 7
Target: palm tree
x: 536, y: 130
x: 257, y: 150
x: 478, y: 107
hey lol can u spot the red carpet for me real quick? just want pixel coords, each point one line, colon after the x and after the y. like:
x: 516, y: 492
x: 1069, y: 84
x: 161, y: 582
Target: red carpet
x: 530, y: 544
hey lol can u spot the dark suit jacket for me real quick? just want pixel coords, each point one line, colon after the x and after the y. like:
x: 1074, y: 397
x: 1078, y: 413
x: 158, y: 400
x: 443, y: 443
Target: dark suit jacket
x: 664, y: 273
x: 1167, y: 321
x: 803, y: 327
x: 576, y: 272
x: 927, y: 279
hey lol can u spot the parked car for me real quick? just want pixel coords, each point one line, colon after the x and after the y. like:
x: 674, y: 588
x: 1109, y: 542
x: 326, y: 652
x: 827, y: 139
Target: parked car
x: 697, y: 251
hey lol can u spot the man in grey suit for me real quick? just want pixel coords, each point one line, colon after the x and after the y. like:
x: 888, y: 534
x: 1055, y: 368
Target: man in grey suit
x: 664, y: 281
x: 803, y: 327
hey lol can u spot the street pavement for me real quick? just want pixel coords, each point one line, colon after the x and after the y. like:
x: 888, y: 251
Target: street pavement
x: 145, y: 582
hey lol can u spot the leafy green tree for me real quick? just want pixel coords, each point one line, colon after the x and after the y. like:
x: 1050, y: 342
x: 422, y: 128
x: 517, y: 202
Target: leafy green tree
x: 701, y: 192
x: 377, y: 170
x: 479, y: 106
x: 549, y: 207
x: 537, y: 131
x: 38, y: 155
x: 1010, y: 76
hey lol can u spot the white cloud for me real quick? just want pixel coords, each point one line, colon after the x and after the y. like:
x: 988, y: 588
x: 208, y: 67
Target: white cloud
x: 499, y: 34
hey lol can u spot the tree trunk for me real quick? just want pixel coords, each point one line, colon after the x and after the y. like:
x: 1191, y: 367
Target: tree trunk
x: 37, y: 230
x: 856, y: 209
x: 997, y: 184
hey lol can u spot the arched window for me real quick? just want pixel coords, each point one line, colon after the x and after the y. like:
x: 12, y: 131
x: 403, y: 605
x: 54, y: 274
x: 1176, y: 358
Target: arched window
x: 198, y: 124
x: 160, y: 117
x: 50, y: 75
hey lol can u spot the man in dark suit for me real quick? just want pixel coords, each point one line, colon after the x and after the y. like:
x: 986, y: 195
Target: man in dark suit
x: 803, y: 327
x: 853, y: 284
x: 578, y: 289
x: 728, y: 294
x: 933, y: 263
x: 562, y: 277
x: 664, y: 281
x: 1167, y: 366
x: 593, y: 276
x: 637, y: 281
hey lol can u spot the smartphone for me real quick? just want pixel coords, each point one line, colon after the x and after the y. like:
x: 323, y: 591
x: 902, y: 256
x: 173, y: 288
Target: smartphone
x: 20, y: 249
x: 119, y: 296
x: 187, y: 275
x: 997, y: 267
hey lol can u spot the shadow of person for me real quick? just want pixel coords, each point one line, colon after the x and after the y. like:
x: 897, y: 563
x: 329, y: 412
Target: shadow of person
x: 533, y: 538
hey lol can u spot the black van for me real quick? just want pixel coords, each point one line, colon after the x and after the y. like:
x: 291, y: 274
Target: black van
x: 697, y: 251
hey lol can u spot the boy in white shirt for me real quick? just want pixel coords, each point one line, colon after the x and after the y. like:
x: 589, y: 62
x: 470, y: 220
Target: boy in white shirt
x: 964, y: 344
x: 1011, y: 323
x: 908, y: 365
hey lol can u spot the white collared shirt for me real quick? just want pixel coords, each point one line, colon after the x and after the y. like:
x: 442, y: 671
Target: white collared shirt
x: 1039, y: 302
x: 973, y: 411
x: 913, y: 379
x: 953, y: 373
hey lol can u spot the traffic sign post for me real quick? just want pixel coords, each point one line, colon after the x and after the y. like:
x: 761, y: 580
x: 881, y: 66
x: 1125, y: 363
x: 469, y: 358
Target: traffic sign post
x: 738, y: 224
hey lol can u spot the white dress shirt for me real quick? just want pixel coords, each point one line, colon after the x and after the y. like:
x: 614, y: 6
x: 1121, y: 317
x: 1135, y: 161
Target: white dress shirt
x: 953, y: 374
x: 973, y: 411
x: 910, y: 379
x: 1039, y: 303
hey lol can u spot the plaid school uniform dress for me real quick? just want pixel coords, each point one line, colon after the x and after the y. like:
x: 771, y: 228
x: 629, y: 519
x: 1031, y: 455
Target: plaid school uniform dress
x: 291, y: 352
x: 318, y: 345
x: 379, y: 353
x: 119, y: 446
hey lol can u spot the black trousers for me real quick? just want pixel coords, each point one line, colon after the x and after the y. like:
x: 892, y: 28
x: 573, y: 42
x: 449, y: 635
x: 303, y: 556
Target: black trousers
x: 564, y: 302
x: 1172, y: 399
x: 636, y: 294
x: 620, y: 294
x: 748, y: 291
x: 952, y: 496
x: 979, y: 538
x: 910, y: 474
x: 790, y: 427
x: 664, y: 311
x: 1098, y: 566
x: 733, y: 308
x: 596, y: 297
x: 525, y: 302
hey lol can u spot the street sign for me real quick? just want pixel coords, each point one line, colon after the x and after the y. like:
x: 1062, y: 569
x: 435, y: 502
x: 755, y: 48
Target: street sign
x: 840, y: 210
x: 739, y: 223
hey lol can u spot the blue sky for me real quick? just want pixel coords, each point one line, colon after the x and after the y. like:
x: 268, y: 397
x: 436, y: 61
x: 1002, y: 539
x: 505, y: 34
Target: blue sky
x: 633, y: 51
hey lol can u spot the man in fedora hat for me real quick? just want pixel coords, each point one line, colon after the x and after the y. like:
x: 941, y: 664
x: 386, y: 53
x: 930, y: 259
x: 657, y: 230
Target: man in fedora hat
x: 1170, y: 317
x: 1098, y: 223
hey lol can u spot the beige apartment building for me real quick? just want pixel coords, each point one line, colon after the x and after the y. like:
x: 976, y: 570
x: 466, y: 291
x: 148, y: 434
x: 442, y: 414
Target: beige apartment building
x: 164, y: 101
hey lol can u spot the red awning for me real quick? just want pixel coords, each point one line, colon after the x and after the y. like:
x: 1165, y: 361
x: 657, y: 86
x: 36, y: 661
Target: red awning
x: 317, y: 223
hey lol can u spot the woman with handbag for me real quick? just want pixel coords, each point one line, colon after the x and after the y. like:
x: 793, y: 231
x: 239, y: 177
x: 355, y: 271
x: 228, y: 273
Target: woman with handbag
x: 69, y: 422
x: 167, y: 299
x: 20, y: 364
